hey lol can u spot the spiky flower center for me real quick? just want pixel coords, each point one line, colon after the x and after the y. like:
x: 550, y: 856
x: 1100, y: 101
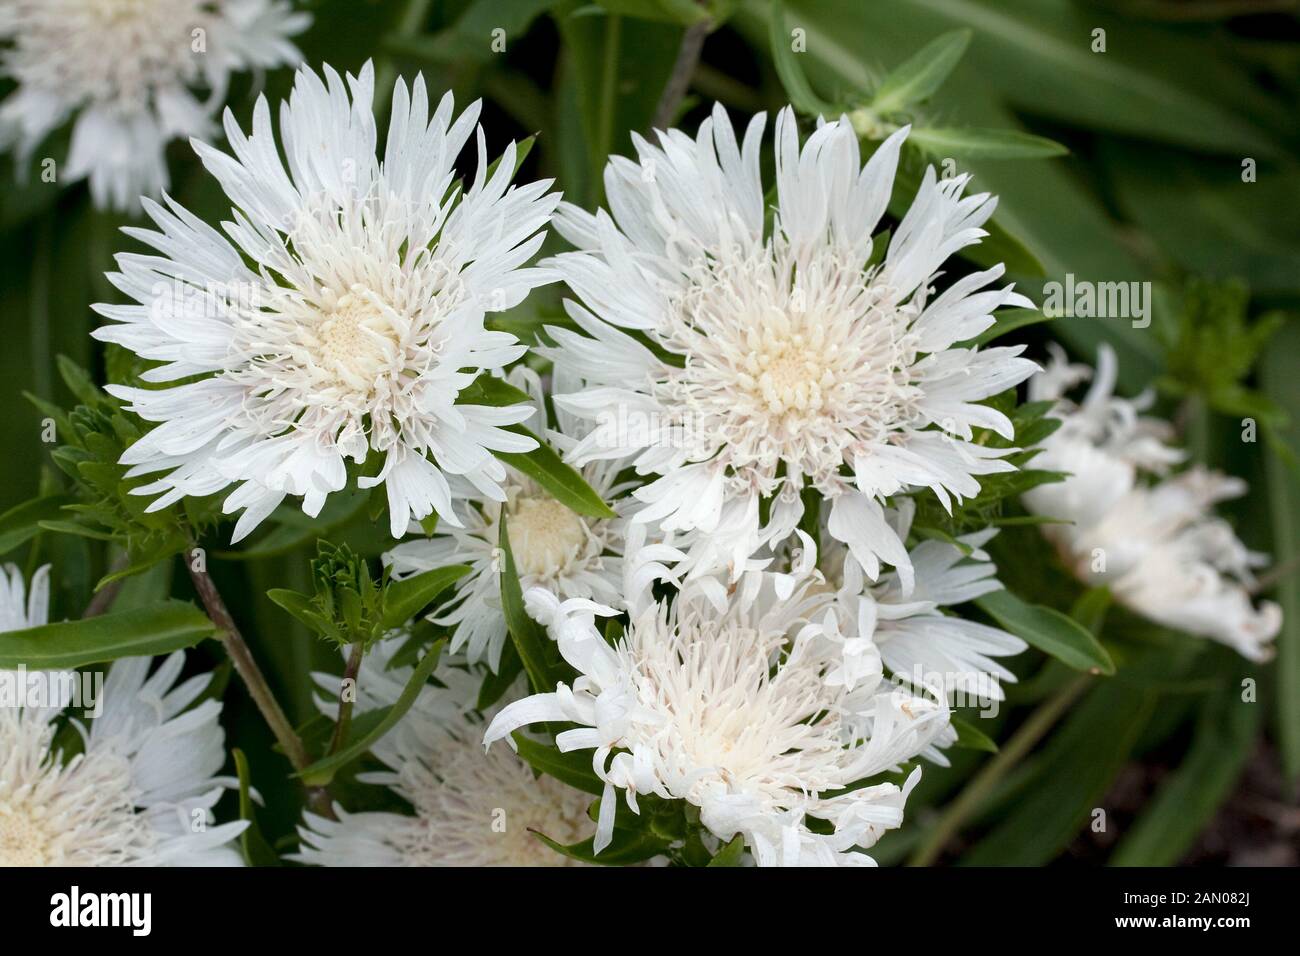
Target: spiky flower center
x: 54, y: 814
x: 802, y: 368
x: 356, y: 342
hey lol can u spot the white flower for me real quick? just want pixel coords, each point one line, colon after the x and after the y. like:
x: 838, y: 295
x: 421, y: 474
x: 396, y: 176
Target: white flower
x: 738, y: 363
x: 915, y: 639
x: 1152, y: 540
x: 129, y: 70
x: 470, y: 808
x: 725, y: 699
x: 141, y: 788
x: 344, y: 319
x: 553, y: 547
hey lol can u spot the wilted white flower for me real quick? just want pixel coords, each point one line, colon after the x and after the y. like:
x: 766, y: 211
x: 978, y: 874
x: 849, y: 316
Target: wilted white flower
x: 1151, y: 538
x: 345, y: 318
x: 132, y: 73
x: 470, y: 808
x: 140, y: 789
x: 729, y: 699
x: 737, y: 363
x: 569, y: 554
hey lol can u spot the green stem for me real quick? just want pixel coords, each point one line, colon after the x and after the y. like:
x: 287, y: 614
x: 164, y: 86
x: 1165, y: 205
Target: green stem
x: 679, y: 81
x: 318, y: 798
x: 345, y: 699
x: 1027, y: 735
x: 603, y: 141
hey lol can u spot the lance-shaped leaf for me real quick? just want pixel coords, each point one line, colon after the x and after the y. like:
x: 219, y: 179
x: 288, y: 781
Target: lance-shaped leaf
x: 1048, y: 630
x: 143, y: 632
x: 796, y: 84
x: 23, y: 522
x: 405, y: 599
x: 975, y: 143
x: 561, y: 481
x: 529, y: 637
x: 917, y: 78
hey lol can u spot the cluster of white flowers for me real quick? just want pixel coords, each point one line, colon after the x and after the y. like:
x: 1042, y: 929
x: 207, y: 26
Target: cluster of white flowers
x: 1154, y: 543
x: 762, y: 399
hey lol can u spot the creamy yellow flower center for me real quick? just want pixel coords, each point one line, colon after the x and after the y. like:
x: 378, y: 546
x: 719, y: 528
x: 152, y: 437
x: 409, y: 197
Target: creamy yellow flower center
x: 544, y: 536
x: 24, y: 838
x: 355, y: 343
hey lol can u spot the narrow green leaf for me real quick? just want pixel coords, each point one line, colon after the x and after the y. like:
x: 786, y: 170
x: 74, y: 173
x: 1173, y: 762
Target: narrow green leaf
x: 1078, y: 764
x: 731, y: 854
x: 972, y: 738
x: 487, y: 389
x: 529, y: 637
x: 1283, y: 385
x: 405, y: 599
x: 572, y: 768
x: 366, y: 734
x: 918, y: 77
x: 299, y: 605
x: 977, y: 143
x: 626, y: 848
x: 788, y: 69
x: 561, y: 481
x: 22, y: 522
x: 257, y: 852
x: 1226, y: 733
x: 1048, y: 630
x: 143, y: 632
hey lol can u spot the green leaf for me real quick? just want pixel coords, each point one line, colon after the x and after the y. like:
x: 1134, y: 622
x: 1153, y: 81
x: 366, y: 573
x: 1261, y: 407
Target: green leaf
x: 1226, y: 734
x: 1072, y: 774
x: 143, y: 632
x: 731, y: 854
x: 561, y: 481
x: 257, y: 852
x: 379, y: 722
x: 405, y: 599
x: 627, y: 847
x: 917, y: 78
x: 530, y: 638
x: 984, y: 143
x: 1048, y: 630
x: 796, y: 84
x: 573, y: 768
x: 22, y: 522
x: 487, y: 389
x: 1283, y: 483
x: 971, y: 738
x: 299, y: 605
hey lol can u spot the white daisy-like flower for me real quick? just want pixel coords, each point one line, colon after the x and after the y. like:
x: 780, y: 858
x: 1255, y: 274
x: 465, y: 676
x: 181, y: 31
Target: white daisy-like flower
x: 567, y: 553
x: 140, y: 789
x: 132, y: 73
x: 341, y: 318
x: 728, y: 699
x: 737, y: 362
x: 470, y: 808
x: 1151, y: 538
x: 915, y: 639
